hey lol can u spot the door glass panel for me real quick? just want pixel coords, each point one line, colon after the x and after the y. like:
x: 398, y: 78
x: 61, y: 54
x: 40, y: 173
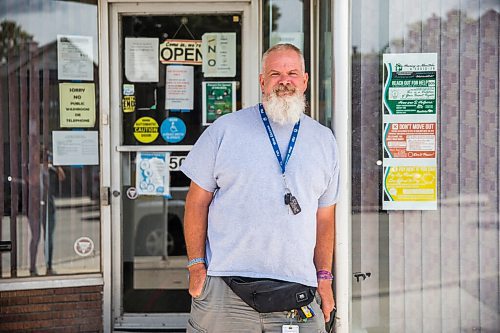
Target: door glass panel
x: 428, y: 270
x: 325, y: 61
x: 288, y: 21
x: 49, y: 102
x: 154, y: 253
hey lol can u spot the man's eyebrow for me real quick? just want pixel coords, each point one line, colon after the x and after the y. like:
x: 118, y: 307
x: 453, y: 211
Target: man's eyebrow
x: 291, y: 71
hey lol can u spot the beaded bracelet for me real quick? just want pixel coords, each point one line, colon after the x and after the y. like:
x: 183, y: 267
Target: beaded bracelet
x: 324, y: 275
x: 195, y: 261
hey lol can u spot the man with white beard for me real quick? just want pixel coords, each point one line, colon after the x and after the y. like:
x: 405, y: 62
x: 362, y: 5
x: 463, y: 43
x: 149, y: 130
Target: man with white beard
x: 259, y: 219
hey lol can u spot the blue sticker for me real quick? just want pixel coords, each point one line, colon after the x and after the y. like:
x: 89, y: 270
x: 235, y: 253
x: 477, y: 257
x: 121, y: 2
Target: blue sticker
x: 173, y: 130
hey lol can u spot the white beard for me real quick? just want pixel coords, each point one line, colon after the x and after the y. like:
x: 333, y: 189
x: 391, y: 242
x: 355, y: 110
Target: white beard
x: 284, y: 109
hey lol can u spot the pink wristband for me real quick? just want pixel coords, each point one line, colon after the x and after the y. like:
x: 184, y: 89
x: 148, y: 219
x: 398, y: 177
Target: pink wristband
x: 324, y: 275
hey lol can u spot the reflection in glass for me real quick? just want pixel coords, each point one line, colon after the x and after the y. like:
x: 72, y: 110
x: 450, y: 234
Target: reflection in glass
x: 155, y: 278
x: 50, y: 213
x: 324, y: 58
x: 430, y: 271
x: 285, y: 21
x: 154, y: 251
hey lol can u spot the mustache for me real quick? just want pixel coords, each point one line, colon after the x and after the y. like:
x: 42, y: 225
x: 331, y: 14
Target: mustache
x: 284, y: 88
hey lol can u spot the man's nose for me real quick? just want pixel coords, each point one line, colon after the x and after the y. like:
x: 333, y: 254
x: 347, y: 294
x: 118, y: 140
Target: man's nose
x: 284, y: 79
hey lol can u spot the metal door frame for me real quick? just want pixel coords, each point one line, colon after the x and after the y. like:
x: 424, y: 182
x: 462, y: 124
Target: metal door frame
x: 342, y: 117
x: 110, y: 12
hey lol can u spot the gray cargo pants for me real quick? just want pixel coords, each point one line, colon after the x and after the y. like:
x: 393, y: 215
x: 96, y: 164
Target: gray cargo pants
x: 219, y: 310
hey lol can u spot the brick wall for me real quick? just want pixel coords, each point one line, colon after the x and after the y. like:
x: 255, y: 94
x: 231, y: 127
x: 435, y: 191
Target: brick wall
x: 52, y: 310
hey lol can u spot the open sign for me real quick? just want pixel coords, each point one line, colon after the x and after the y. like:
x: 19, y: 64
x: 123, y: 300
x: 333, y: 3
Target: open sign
x: 181, y: 51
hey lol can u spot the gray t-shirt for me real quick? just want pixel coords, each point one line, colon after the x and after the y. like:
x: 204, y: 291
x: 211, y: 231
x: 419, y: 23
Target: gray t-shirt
x: 251, y: 232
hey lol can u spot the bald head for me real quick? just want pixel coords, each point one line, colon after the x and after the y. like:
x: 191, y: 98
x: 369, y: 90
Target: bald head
x: 282, y: 48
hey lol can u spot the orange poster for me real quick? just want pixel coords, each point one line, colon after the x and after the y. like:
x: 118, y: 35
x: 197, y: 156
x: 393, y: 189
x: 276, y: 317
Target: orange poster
x: 410, y: 140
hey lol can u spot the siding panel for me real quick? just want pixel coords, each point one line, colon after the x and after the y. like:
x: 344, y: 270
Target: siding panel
x: 450, y: 172
x: 396, y: 218
x: 413, y: 219
x: 489, y: 311
x: 369, y: 223
x: 469, y: 167
x: 431, y: 222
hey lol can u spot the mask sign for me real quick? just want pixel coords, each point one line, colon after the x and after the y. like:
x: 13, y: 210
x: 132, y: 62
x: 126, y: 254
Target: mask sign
x: 84, y: 246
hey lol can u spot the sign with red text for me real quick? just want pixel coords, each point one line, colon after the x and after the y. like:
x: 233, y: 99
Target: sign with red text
x: 409, y: 126
x: 410, y: 140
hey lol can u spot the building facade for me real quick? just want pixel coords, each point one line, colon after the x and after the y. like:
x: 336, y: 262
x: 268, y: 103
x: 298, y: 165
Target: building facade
x: 102, y: 99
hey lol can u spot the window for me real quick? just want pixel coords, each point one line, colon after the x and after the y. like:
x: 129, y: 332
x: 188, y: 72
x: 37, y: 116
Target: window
x: 49, y: 194
x: 307, y: 25
x: 427, y: 270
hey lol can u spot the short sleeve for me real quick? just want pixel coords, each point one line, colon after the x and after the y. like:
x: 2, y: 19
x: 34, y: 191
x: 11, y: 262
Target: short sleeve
x: 200, y: 162
x: 331, y: 194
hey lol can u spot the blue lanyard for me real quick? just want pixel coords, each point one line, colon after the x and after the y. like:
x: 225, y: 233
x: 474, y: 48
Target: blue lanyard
x: 274, y: 143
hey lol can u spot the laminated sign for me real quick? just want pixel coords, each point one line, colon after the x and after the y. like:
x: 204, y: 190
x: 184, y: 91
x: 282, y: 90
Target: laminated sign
x: 410, y: 140
x: 410, y: 184
x: 77, y: 104
x: 219, y: 98
x: 410, y: 83
x: 409, y: 125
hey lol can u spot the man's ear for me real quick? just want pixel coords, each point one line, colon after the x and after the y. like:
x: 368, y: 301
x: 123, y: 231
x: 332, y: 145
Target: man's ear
x: 306, y: 79
x: 261, y: 81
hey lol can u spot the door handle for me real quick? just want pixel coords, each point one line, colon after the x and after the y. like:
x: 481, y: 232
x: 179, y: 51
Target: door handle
x: 105, y: 196
x: 359, y: 275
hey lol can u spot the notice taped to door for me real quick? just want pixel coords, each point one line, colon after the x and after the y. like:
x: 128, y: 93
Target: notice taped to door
x: 219, y: 54
x: 77, y: 104
x: 409, y: 125
x: 146, y: 130
x: 410, y: 140
x: 219, y: 98
x: 410, y: 187
x: 152, y: 173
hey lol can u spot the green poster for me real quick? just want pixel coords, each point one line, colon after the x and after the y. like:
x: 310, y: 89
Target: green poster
x: 410, y: 83
x: 219, y: 98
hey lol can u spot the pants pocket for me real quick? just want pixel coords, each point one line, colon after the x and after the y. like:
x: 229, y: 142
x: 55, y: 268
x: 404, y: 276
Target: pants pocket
x: 204, y: 290
x: 193, y: 327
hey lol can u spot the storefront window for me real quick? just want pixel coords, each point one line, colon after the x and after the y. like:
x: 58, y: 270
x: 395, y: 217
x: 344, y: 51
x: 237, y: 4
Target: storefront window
x: 49, y: 140
x: 425, y: 177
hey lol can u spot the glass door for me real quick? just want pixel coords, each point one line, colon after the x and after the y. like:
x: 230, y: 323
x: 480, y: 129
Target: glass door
x: 177, y: 69
x: 425, y: 218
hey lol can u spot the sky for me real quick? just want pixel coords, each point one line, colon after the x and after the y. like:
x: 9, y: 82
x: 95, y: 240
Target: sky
x: 46, y: 19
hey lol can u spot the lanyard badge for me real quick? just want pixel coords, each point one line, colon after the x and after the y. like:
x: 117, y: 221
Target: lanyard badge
x: 289, y: 199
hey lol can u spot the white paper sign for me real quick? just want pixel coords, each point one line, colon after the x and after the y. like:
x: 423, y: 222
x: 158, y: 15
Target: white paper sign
x: 152, y: 173
x: 179, y: 88
x: 219, y: 54
x: 75, y: 147
x: 142, y: 59
x: 74, y: 58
